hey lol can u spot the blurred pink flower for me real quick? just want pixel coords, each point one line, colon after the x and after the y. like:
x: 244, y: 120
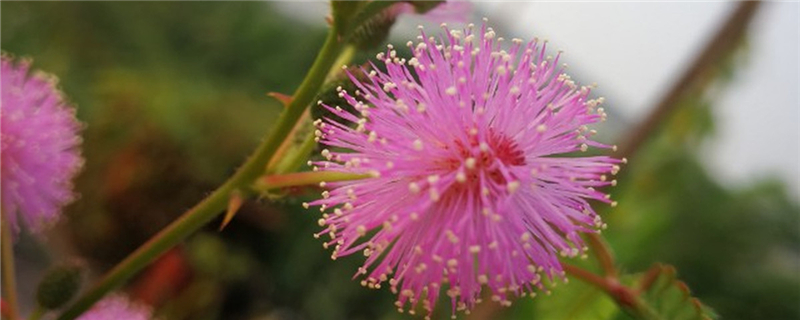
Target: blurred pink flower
x: 117, y: 307
x: 40, y: 147
x: 453, y: 11
x: 471, y: 185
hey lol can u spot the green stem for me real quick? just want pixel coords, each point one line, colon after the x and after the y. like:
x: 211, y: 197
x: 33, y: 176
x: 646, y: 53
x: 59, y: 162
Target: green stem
x: 8, y: 274
x: 288, y: 149
x: 303, y: 179
x: 215, y: 203
x: 295, y: 157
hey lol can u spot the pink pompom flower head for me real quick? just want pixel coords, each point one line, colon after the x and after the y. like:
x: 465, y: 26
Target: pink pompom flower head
x: 117, y: 307
x: 471, y: 182
x: 40, y: 147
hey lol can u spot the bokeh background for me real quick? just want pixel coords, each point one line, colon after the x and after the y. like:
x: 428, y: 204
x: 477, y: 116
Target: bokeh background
x: 173, y: 95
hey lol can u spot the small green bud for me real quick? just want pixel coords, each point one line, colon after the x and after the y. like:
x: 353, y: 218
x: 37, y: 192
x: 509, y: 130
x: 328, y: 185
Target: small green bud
x: 374, y: 31
x: 371, y: 32
x: 59, y: 285
x: 422, y: 7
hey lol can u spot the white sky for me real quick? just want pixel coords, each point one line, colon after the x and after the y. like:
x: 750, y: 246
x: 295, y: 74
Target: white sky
x: 635, y: 50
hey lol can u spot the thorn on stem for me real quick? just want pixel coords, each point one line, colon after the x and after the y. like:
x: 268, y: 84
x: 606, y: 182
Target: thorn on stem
x: 234, y: 203
x: 282, y: 98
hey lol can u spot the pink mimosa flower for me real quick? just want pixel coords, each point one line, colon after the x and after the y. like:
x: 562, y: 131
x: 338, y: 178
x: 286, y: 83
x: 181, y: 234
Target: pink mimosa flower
x: 40, y: 147
x: 455, y: 11
x: 471, y: 183
x: 117, y: 307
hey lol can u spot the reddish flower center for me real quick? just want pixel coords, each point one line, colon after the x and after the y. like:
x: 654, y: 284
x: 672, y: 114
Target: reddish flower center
x: 505, y: 149
x: 486, y: 157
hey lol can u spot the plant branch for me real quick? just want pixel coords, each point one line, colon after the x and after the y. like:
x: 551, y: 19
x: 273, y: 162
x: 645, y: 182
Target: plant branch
x: 603, y: 253
x: 215, y: 203
x: 289, y: 159
x: 586, y: 276
x: 729, y: 34
x: 626, y: 297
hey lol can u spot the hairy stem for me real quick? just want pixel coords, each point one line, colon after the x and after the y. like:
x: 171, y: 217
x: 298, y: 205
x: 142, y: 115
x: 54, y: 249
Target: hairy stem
x: 290, y: 159
x: 215, y: 203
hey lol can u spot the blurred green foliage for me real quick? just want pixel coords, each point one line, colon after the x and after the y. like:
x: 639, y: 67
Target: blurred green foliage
x: 173, y: 96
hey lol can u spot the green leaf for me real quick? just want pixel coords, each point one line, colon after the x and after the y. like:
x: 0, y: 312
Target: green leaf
x: 59, y: 285
x: 422, y: 7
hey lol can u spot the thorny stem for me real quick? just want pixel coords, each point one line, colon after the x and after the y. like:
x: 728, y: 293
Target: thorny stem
x: 8, y: 274
x: 215, y: 203
x: 288, y: 159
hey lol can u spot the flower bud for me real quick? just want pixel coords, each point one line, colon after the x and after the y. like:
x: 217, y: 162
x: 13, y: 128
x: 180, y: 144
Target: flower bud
x: 374, y: 30
x: 59, y: 285
x: 422, y: 7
